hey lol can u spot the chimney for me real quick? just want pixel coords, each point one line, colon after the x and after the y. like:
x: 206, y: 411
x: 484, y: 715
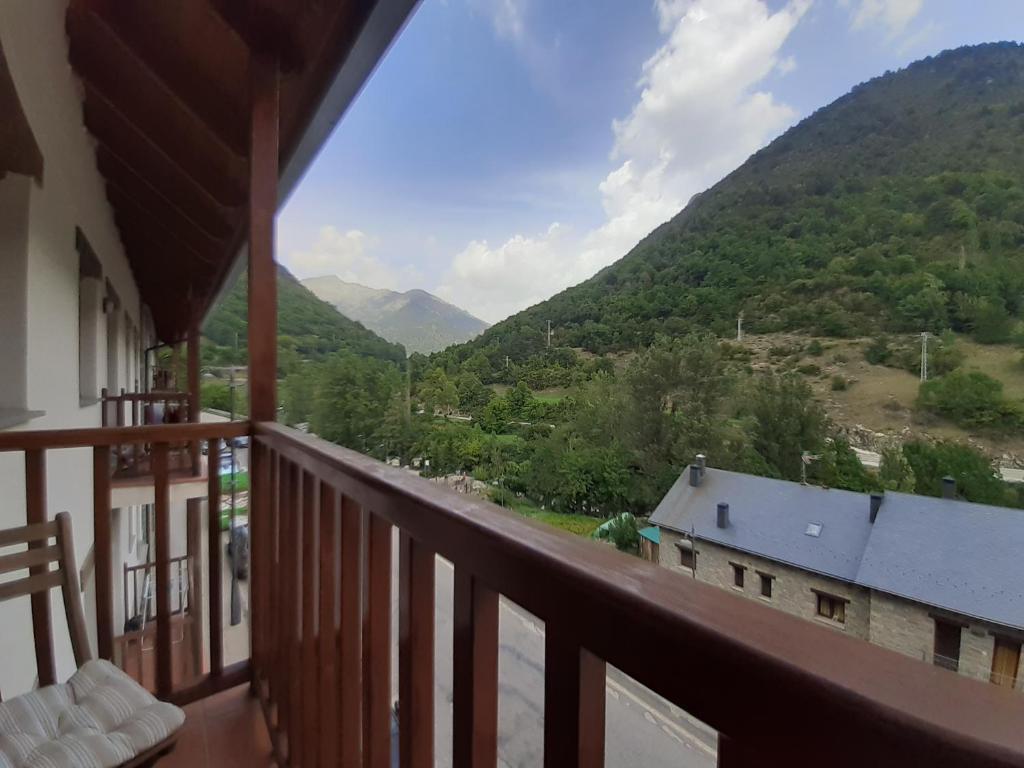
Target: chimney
x: 695, y: 475
x: 702, y: 462
x: 723, y: 515
x: 876, y: 504
x: 948, y: 487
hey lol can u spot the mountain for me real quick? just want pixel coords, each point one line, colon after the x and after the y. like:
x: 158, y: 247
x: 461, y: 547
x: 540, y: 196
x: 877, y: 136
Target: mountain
x: 897, y: 208
x: 416, y: 319
x: 308, y: 328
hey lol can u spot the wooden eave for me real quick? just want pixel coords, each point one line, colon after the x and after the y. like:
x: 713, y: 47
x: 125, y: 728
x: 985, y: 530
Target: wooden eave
x: 165, y: 89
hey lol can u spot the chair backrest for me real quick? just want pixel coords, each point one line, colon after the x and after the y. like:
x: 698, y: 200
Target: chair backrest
x: 37, y: 559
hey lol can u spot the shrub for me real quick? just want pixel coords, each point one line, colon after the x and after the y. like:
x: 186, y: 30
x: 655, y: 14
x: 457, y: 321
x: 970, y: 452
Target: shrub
x: 814, y: 349
x: 840, y: 383
x: 878, y: 351
x: 969, y: 398
x: 839, y: 359
x: 809, y: 369
x: 623, y: 533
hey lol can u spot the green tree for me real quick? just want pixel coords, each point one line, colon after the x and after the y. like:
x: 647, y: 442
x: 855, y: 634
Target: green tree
x: 975, y: 475
x: 895, y: 472
x: 786, y: 422
x: 298, y: 392
x: 438, y: 392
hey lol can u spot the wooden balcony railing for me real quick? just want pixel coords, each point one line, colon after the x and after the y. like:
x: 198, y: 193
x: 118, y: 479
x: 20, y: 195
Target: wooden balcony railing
x: 779, y: 690
x: 149, y: 409
x: 36, y: 445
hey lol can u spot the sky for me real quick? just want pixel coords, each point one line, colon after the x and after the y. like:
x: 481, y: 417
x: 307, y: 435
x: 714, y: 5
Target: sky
x: 504, y: 150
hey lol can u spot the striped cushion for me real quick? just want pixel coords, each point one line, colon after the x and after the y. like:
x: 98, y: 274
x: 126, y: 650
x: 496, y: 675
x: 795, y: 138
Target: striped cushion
x: 100, y: 718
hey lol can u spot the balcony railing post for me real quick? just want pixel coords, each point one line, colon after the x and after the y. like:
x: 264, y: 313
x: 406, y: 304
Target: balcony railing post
x: 102, y: 554
x: 415, y: 654
x: 350, y: 639
x: 213, y: 535
x: 307, y: 627
x: 475, y: 673
x: 574, y: 702
x: 35, y: 512
x: 327, y: 628
x: 377, y: 644
x: 162, y: 503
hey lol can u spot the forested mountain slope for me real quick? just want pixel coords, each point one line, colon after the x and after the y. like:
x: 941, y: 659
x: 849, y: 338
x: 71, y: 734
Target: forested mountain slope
x: 897, y: 208
x: 307, y: 327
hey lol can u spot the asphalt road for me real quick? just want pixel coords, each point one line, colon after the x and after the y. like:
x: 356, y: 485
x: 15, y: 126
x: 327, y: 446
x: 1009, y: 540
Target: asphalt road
x: 642, y: 728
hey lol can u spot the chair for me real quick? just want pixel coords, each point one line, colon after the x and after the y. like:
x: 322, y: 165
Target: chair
x: 100, y: 717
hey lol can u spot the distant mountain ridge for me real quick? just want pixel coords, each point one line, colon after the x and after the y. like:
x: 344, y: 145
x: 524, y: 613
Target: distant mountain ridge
x: 308, y: 328
x: 416, y: 319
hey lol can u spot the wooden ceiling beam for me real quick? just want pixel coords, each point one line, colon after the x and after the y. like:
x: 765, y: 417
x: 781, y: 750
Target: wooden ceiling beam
x: 167, y: 218
x: 154, y: 143
x: 100, y: 42
x: 136, y: 226
x: 200, y: 210
x: 269, y: 29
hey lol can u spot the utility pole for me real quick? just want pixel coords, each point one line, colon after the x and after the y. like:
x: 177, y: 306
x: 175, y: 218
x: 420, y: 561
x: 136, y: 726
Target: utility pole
x: 506, y: 362
x: 924, y: 355
x: 739, y: 327
x: 549, y: 334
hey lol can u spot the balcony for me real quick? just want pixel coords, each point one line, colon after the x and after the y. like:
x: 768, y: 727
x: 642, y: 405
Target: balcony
x: 338, y: 539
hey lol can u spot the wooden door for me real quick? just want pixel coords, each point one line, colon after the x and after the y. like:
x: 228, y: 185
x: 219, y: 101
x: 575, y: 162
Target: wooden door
x: 1005, y: 660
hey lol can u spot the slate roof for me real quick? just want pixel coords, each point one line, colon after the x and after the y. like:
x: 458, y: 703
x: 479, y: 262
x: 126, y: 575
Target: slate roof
x: 962, y: 557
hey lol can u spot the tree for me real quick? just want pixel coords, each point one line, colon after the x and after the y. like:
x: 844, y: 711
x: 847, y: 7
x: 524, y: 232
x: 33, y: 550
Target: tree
x: 895, y: 472
x: 976, y: 477
x: 970, y: 398
x: 351, y: 398
x: 438, y: 393
x: 298, y: 392
x: 787, y: 422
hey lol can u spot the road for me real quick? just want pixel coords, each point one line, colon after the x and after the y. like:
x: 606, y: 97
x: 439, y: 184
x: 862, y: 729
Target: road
x: 642, y: 729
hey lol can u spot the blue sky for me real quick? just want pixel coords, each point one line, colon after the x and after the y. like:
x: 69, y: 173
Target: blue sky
x: 506, y: 149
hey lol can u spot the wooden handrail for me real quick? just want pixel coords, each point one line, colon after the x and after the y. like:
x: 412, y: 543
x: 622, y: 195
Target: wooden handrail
x: 772, y: 684
x: 108, y: 436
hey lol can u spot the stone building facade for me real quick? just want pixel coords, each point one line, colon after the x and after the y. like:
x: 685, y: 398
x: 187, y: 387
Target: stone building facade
x: 886, y: 620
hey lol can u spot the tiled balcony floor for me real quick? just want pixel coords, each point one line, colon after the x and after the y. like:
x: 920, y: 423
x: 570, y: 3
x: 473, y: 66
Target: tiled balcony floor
x: 223, y: 731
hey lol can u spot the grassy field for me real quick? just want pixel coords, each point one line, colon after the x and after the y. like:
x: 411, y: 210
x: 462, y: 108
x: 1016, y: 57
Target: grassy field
x: 550, y: 395
x: 882, y: 399
x: 581, y: 525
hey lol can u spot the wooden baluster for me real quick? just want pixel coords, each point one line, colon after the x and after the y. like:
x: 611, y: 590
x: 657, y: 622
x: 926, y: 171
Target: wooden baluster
x: 162, y: 499
x: 327, y: 626
x: 280, y: 668
x: 351, y: 683
x: 35, y: 512
x: 214, y: 557
x: 416, y: 566
x: 293, y: 616
x: 102, y: 553
x: 271, y: 552
x: 574, y: 702
x: 377, y: 645
x: 475, y: 673
x: 257, y: 519
x: 309, y: 646
x: 193, y: 534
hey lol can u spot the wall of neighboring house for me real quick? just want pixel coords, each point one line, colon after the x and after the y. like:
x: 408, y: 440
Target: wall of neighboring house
x: 41, y: 265
x: 793, y: 589
x: 892, y: 622
x: 909, y: 627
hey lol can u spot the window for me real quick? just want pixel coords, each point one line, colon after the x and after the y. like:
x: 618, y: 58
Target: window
x: 766, y: 585
x: 832, y: 607
x: 687, y: 554
x: 947, y: 645
x: 737, y: 575
x: 90, y: 310
x: 14, y: 201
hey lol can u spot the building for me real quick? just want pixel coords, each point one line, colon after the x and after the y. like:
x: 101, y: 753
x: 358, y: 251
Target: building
x: 936, y: 579
x: 144, y: 151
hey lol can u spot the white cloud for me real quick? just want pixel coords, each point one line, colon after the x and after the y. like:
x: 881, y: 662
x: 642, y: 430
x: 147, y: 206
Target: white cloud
x: 700, y: 113
x: 894, y: 15
x: 351, y: 255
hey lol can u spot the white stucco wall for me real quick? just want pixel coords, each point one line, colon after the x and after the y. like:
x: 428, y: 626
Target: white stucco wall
x: 72, y: 195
